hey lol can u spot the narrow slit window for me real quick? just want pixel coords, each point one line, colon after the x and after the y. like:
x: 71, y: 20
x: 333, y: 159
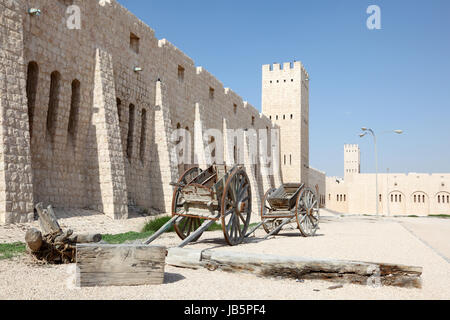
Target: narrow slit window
x: 55, y: 83
x: 130, y: 131
x: 32, y: 84
x: 119, y: 109
x: 211, y: 93
x: 143, y: 134
x: 74, y: 108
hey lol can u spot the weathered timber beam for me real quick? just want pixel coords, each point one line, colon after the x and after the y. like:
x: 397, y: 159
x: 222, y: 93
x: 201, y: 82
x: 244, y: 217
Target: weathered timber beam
x: 100, y: 265
x: 85, y: 238
x: 354, y: 272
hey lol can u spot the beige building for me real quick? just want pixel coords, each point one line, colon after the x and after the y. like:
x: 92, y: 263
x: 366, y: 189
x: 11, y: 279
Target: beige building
x: 398, y: 194
x: 87, y: 114
x: 285, y: 100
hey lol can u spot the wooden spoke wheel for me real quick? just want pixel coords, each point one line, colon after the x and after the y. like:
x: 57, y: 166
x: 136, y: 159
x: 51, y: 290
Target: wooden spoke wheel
x: 307, y: 211
x: 236, y: 207
x: 185, y: 225
x: 266, y: 210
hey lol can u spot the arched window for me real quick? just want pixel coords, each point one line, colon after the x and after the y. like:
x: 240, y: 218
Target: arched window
x: 32, y: 83
x: 130, y: 131
x: 439, y: 199
x: 143, y: 134
x: 74, y: 109
x: 55, y: 84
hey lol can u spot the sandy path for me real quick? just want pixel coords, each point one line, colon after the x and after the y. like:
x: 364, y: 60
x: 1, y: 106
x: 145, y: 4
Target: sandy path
x: 353, y: 238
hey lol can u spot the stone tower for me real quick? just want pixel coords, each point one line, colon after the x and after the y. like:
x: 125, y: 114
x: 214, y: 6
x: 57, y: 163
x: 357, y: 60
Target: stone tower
x: 352, y: 159
x: 285, y: 100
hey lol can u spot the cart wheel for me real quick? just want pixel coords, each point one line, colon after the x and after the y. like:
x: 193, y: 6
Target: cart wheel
x: 236, y: 207
x: 308, y: 212
x: 186, y: 225
x: 269, y: 224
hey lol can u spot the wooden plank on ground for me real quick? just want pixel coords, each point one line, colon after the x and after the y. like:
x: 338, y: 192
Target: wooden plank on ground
x: 102, y: 265
x: 271, y: 266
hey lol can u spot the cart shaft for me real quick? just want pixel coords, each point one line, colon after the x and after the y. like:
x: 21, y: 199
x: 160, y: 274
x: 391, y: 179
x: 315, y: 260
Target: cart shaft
x: 163, y: 229
x: 254, y: 229
x: 197, y: 232
x: 278, y: 229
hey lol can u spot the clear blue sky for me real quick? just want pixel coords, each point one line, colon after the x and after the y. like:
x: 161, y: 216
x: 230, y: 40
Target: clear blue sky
x: 394, y: 78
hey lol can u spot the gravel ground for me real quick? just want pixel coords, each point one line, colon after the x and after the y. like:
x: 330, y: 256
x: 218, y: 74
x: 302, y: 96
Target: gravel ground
x: 355, y: 238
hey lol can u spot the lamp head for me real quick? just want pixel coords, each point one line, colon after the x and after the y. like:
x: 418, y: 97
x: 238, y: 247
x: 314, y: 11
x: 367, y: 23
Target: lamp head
x: 398, y: 131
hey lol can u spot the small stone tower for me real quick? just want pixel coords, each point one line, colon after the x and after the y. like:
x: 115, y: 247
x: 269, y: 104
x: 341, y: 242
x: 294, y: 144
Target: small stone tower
x: 352, y: 159
x: 285, y: 100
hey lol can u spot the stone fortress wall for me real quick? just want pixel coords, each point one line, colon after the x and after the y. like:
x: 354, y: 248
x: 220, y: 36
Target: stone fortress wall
x: 82, y: 128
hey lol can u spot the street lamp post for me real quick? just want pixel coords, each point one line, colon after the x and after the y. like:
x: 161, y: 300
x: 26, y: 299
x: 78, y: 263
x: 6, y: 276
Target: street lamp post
x: 365, y: 132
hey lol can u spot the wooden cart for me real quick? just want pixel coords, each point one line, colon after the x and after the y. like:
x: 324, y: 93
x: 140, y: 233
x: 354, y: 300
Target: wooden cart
x: 201, y: 198
x: 289, y: 203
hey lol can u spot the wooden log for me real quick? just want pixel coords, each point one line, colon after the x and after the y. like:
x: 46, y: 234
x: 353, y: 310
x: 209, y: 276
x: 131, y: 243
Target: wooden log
x: 271, y: 266
x: 63, y: 236
x: 102, y: 265
x: 86, y: 238
x: 34, y: 241
x: 47, y: 220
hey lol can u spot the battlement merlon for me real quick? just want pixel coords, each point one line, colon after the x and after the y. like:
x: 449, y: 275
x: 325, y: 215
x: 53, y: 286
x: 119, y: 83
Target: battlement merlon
x: 164, y: 43
x: 285, y: 67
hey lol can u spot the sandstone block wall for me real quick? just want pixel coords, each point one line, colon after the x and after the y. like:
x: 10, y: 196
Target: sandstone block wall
x: 81, y: 127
